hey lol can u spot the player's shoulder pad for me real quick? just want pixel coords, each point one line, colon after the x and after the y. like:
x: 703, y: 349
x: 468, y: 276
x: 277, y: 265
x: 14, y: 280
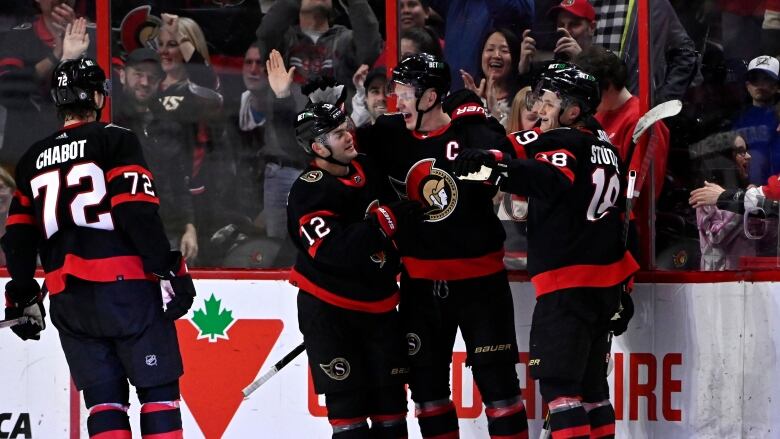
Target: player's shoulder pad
x: 204, y: 93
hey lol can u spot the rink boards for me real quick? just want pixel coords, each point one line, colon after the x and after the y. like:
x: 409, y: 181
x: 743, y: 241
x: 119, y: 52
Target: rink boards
x: 699, y: 360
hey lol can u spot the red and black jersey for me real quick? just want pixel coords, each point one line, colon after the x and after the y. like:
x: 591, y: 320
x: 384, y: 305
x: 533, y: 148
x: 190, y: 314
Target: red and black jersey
x: 461, y: 237
x: 344, y: 258
x: 86, y: 202
x: 575, y: 200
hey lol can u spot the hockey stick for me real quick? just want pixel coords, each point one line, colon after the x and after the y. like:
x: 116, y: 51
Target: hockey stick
x: 276, y: 368
x: 656, y: 114
x: 13, y: 322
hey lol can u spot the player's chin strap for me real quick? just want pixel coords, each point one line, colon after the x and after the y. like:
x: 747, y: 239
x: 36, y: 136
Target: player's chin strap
x: 330, y: 158
x: 421, y: 112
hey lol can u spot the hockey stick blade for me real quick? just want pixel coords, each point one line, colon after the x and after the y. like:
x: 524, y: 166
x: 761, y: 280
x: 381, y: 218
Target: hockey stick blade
x: 276, y: 368
x: 13, y: 322
x: 660, y: 111
x: 482, y: 175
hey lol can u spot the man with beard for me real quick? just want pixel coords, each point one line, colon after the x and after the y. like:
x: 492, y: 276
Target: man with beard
x: 370, y: 101
x: 139, y: 110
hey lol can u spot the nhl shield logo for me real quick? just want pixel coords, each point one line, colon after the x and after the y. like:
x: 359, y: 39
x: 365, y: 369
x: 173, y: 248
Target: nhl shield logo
x: 338, y: 369
x: 151, y: 360
x: 413, y: 342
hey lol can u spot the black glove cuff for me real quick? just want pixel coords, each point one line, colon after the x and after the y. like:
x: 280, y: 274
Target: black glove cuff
x: 21, y: 294
x: 176, y: 267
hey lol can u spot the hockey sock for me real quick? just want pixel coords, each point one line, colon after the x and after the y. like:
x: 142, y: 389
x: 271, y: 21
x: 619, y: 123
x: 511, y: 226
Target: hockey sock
x: 437, y: 419
x: 602, y: 419
x: 161, y: 420
x: 349, y: 428
x: 507, y: 419
x: 568, y: 419
x: 389, y: 426
x: 108, y: 420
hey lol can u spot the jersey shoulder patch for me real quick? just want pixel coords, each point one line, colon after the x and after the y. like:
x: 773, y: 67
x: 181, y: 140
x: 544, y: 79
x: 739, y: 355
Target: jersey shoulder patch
x: 311, y: 176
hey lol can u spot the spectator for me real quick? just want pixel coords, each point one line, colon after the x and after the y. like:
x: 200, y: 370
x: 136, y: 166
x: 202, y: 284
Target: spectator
x: 284, y: 160
x: 758, y: 123
x: 7, y: 189
x: 523, y: 117
x: 313, y: 46
x: 576, y: 24
x: 197, y: 110
x: 467, y: 25
x: 725, y: 163
x: 139, y: 110
x: 419, y: 39
x: 674, y: 57
x: 251, y: 127
x: 414, y: 13
x: 370, y: 101
x: 741, y: 22
x: 499, y: 79
x: 618, y: 112
x: 28, y: 54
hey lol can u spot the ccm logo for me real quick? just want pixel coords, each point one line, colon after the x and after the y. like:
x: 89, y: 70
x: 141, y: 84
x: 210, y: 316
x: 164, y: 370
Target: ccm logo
x: 493, y: 348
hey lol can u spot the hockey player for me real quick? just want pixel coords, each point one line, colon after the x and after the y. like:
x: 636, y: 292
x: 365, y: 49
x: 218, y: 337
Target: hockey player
x: 454, y: 274
x: 346, y: 271
x: 86, y: 203
x: 576, y: 254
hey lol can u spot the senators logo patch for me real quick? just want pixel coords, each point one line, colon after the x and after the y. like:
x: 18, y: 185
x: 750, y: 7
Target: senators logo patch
x: 338, y: 369
x: 430, y: 186
x: 311, y: 176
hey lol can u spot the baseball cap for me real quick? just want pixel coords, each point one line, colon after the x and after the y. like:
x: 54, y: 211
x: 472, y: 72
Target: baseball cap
x: 765, y: 64
x: 379, y: 72
x: 142, y: 54
x: 579, y: 8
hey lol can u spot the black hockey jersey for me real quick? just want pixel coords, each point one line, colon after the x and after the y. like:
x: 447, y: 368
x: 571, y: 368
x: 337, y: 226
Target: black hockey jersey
x: 461, y: 237
x: 575, y: 201
x: 344, y: 258
x: 86, y: 201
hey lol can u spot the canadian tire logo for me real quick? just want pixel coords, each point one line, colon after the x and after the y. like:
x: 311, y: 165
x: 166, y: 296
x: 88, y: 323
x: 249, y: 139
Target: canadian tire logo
x: 221, y: 356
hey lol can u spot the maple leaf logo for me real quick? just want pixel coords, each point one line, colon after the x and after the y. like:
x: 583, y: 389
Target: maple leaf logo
x: 213, y: 322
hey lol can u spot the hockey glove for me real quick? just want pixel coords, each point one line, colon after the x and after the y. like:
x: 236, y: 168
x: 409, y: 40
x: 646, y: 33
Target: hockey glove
x: 25, y: 298
x: 464, y: 105
x: 481, y: 165
x: 177, y: 288
x: 619, y: 322
x: 398, y: 215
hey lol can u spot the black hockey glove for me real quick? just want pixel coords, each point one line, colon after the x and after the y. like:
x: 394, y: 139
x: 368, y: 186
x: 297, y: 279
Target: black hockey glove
x: 398, y: 215
x: 464, y: 105
x: 481, y: 165
x: 25, y: 298
x: 620, y: 320
x: 177, y: 287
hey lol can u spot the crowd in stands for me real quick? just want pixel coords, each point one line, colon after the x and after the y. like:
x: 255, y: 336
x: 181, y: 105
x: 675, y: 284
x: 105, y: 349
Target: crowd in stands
x: 211, y: 88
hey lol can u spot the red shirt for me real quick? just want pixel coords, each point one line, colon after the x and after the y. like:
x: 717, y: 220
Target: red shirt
x: 619, y: 124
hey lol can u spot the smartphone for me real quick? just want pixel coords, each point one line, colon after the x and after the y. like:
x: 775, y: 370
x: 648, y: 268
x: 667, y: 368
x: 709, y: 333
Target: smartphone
x: 546, y: 40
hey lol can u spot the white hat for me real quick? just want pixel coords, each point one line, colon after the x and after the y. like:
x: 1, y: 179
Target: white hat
x: 767, y: 64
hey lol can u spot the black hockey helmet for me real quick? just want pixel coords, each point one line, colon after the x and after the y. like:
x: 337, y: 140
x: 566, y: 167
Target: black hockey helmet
x: 570, y: 83
x: 317, y: 120
x: 74, y: 81
x: 423, y: 71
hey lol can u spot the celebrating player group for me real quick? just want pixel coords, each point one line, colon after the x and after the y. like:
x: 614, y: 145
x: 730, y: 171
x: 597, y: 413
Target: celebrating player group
x: 408, y: 196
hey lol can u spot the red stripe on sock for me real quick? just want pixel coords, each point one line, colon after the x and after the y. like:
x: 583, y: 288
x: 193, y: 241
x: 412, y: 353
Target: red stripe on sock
x: 345, y: 421
x: 603, y: 431
x: 504, y: 411
x: 151, y: 407
x: 113, y: 434
x: 522, y: 435
x: 434, y: 411
x: 178, y: 434
x: 572, y: 432
x: 451, y: 435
